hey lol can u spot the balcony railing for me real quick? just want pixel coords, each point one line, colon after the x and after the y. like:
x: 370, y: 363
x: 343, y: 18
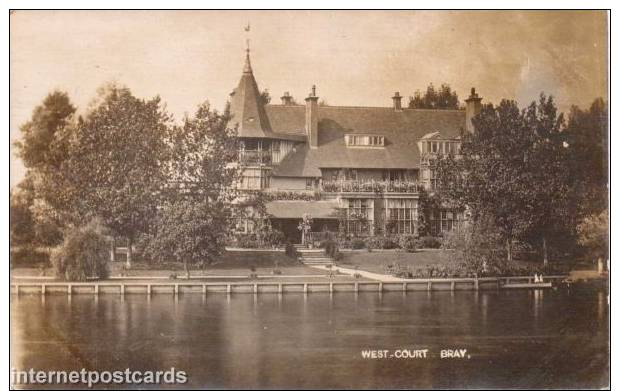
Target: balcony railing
x: 254, y: 157
x: 371, y: 186
x: 320, y: 236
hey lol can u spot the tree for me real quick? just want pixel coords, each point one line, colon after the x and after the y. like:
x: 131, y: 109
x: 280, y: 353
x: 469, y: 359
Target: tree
x: 546, y: 164
x: 44, y: 148
x: 31, y: 225
x: 83, y: 254
x: 21, y: 230
x: 442, y: 99
x: 189, y: 231
x: 594, y: 234
x: 427, y: 203
x: 193, y: 223
x: 475, y: 246
x: 265, y: 97
x: 514, y: 170
x: 117, y: 161
x: 493, y: 171
x: 587, y: 143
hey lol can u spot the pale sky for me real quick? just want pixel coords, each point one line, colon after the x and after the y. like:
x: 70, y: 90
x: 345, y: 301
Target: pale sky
x: 353, y: 57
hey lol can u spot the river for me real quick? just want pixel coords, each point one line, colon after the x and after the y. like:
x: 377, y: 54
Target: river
x: 517, y: 339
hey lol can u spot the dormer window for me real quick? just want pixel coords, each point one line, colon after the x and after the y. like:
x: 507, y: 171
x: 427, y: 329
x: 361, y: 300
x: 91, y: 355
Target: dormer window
x: 364, y: 140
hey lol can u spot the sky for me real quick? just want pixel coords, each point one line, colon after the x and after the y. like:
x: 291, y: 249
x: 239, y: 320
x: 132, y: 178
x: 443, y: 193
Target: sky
x: 355, y: 58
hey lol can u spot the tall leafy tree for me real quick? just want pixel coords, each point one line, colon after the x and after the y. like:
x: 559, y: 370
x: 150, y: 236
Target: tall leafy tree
x: 44, y: 148
x: 547, y: 175
x: 117, y: 161
x: 493, y: 171
x: 515, y: 170
x: 194, y: 220
x: 442, y: 99
x: 587, y: 142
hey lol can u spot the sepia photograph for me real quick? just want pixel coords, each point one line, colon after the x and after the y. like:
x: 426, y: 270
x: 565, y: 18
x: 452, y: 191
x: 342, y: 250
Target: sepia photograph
x: 309, y: 199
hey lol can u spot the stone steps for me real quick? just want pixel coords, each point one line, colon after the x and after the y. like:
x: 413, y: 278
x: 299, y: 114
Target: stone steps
x: 319, y: 259
x: 313, y: 256
x: 327, y: 261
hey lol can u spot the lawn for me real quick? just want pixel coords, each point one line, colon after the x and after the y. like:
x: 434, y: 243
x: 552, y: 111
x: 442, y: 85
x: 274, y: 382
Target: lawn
x: 377, y: 261
x: 232, y: 263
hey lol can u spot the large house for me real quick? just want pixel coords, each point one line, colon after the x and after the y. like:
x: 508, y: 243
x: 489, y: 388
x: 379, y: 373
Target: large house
x: 355, y: 169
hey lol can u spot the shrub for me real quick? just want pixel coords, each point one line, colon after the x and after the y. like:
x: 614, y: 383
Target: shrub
x: 357, y: 244
x: 83, y: 254
x: 273, y: 238
x: 338, y: 256
x: 246, y: 241
x: 407, y: 243
x: 381, y: 242
x: 429, y: 242
x: 291, y: 251
x: 344, y: 243
x: 330, y: 247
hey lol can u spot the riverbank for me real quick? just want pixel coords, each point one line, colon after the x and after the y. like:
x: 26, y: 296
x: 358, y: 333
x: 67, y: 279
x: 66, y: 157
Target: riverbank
x: 343, y: 284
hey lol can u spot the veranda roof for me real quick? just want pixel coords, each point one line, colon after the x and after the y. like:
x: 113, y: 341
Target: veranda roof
x: 296, y: 209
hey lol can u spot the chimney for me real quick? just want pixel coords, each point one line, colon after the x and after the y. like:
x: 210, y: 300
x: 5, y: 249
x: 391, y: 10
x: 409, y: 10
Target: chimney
x: 396, y: 100
x: 472, y: 108
x: 312, y: 119
x: 287, y: 99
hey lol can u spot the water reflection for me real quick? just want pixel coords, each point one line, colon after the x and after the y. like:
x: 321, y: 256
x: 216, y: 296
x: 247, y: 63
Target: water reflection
x: 315, y: 340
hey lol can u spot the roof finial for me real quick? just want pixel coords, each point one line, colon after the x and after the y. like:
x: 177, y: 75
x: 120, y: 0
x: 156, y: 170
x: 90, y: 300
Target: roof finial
x: 247, y: 68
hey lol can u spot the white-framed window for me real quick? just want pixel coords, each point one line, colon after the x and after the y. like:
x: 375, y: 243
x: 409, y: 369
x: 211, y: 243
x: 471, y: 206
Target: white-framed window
x: 358, y: 221
x: 355, y: 140
x: 401, y: 216
x: 445, y: 220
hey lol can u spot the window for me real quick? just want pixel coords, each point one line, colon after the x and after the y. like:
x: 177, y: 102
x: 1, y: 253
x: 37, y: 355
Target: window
x: 445, y: 221
x: 350, y: 174
x: 309, y: 183
x: 254, y: 179
x: 433, y: 179
x: 394, y: 175
x: 364, y: 140
x: 401, y: 216
x: 357, y: 216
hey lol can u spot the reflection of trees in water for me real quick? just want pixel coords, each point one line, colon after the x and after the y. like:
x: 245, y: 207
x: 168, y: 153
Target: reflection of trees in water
x: 296, y: 340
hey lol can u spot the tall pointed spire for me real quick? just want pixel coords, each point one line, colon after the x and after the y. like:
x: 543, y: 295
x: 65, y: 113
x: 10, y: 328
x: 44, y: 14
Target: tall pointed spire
x: 246, y: 106
x: 247, y: 67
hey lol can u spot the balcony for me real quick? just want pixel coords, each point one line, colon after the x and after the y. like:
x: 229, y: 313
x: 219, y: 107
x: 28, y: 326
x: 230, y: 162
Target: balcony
x: 371, y: 186
x: 254, y: 157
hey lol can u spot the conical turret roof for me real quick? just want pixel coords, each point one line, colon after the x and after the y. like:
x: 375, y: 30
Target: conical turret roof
x: 248, y: 112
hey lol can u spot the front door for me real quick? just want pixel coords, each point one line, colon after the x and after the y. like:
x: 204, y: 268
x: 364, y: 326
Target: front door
x: 289, y: 228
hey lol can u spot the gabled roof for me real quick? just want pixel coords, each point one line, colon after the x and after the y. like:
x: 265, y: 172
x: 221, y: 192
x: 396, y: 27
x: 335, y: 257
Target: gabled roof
x: 402, y: 130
